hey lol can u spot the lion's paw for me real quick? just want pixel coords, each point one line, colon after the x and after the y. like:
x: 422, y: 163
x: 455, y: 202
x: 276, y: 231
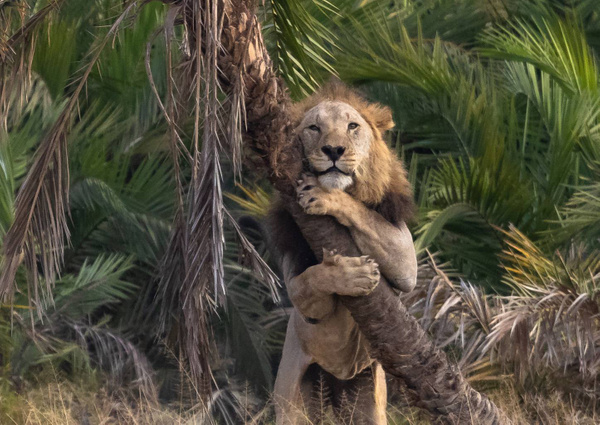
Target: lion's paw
x: 355, y: 276
x: 313, y: 199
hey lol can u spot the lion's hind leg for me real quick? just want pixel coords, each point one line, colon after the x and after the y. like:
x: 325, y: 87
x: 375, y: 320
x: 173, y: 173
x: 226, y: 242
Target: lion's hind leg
x: 290, y: 390
x: 361, y: 400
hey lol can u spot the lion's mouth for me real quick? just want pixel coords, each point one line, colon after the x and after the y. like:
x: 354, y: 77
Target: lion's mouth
x: 334, y: 169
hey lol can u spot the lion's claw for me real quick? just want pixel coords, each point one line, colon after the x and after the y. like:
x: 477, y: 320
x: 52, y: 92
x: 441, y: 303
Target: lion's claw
x: 310, y: 196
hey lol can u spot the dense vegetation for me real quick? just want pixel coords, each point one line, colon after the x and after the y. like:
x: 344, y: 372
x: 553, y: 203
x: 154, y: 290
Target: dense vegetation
x: 497, y: 111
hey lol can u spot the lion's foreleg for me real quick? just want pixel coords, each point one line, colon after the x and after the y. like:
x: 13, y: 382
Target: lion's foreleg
x: 312, y: 291
x: 391, y: 246
x: 311, y: 301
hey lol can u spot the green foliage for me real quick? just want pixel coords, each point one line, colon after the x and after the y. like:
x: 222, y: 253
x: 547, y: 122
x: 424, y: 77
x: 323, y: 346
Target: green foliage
x: 299, y: 41
x: 556, y: 46
x: 581, y: 218
x: 102, y: 315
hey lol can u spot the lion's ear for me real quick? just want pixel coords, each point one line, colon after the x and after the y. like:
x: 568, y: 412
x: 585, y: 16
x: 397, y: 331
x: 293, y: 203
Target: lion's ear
x: 380, y: 116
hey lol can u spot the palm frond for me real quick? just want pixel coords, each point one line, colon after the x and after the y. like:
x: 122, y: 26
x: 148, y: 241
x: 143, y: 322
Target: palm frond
x: 462, y: 203
x: 66, y: 333
x: 569, y: 120
x: 40, y: 227
x: 550, y: 321
x: 257, y: 264
x: 458, y: 316
x: 16, y: 56
x: 97, y: 284
x: 557, y: 47
x: 117, y: 355
x: 257, y: 203
x: 301, y: 42
x: 247, y: 339
x: 580, y: 218
x: 200, y: 237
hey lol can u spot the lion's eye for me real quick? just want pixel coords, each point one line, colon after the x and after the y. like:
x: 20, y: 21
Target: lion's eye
x: 314, y: 128
x: 352, y: 126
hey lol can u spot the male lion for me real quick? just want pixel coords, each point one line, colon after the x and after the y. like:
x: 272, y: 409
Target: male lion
x: 351, y: 175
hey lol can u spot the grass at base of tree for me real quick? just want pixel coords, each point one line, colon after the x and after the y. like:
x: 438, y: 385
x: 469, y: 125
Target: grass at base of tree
x: 58, y: 401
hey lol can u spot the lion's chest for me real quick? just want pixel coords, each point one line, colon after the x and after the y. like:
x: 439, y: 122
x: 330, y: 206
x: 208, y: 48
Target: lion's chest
x: 335, y: 344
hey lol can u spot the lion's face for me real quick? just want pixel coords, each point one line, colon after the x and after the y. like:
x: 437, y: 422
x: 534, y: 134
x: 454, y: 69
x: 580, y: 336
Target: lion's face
x: 336, y: 140
x: 341, y: 134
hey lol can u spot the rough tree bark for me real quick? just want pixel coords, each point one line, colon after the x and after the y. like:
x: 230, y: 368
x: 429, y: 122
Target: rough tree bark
x: 398, y: 341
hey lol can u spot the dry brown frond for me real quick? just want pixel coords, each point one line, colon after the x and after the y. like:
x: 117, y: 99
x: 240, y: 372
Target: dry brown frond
x: 260, y: 267
x: 457, y: 316
x: 173, y: 266
x: 203, y: 281
x: 9, y: 47
x: 546, y: 331
x: 551, y: 322
x: 192, y: 276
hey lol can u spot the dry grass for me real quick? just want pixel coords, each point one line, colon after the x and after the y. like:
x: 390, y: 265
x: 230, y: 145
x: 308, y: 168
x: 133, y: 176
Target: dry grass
x: 532, y: 408
x: 522, y: 408
x: 66, y: 403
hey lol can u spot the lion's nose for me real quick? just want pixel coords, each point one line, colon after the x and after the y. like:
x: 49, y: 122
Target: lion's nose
x: 334, y: 153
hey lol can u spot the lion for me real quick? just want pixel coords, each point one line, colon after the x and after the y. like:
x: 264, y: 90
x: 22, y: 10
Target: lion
x: 351, y: 175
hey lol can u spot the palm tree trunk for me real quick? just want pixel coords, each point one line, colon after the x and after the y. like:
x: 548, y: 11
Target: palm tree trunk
x: 397, y: 340
x: 268, y: 125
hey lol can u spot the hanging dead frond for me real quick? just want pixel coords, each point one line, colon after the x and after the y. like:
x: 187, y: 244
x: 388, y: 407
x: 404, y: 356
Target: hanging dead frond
x: 173, y: 264
x: 256, y: 262
x: 9, y: 47
x: 192, y: 268
x: 38, y: 234
x: 16, y: 56
x: 198, y: 240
